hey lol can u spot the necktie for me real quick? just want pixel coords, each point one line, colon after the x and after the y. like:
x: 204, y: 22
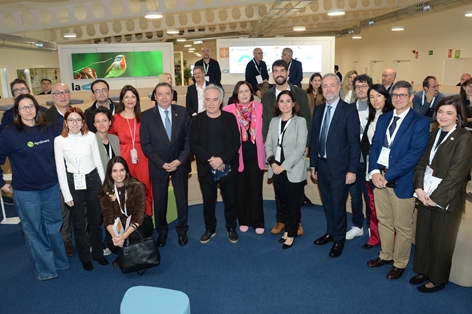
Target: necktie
x: 324, y: 132
x: 168, y: 125
x: 391, y: 129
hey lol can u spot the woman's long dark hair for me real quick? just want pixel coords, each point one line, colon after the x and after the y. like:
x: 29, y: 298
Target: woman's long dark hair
x: 137, y: 107
x: 295, y: 108
x: 38, y: 119
x: 379, y: 88
x: 310, y: 88
x: 109, y: 184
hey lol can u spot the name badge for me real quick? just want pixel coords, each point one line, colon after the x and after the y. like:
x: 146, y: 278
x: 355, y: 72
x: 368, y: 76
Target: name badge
x: 278, y: 153
x: 384, y: 156
x: 79, y: 181
x: 134, y: 156
x: 259, y: 79
x: 428, y: 174
x: 207, y: 78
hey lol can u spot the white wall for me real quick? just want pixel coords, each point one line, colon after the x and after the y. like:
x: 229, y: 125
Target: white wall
x: 438, y: 32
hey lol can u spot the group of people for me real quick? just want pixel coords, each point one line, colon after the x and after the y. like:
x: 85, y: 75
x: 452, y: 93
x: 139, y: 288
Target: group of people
x: 377, y: 146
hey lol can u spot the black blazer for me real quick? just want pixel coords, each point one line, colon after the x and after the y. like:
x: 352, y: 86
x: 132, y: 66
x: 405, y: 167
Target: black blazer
x: 191, y: 100
x: 199, y: 138
x: 89, y: 114
x: 156, y: 145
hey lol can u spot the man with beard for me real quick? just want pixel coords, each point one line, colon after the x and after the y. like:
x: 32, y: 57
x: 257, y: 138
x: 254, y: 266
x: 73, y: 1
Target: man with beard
x: 425, y: 101
x: 335, y: 152
x: 280, y: 73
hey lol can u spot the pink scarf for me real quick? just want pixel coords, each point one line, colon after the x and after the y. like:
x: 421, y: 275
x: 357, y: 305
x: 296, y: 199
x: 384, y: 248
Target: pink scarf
x: 247, y: 118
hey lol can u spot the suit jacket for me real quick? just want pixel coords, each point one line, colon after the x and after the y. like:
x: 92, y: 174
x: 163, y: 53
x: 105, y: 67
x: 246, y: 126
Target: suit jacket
x: 343, y: 148
x: 423, y: 109
x: 293, y: 143
x: 214, y: 72
x: 296, y: 73
x: 199, y: 138
x: 158, y: 148
x: 191, y: 99
x: 251, y: 73
x: 51, y: 115
x: 405, y: 150
x: 89, y: 114
x: 114, y: 142
x: 451, y: 163
x: 259, y: 140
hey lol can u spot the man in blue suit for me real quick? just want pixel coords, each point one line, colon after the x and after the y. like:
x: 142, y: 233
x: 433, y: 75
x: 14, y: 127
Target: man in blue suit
x: 334, y: 158
x: 400, y: 139
x: 165, y: 139
x: 294, y: 67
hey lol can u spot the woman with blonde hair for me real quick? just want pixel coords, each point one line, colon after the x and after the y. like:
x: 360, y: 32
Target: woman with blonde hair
x: 347, y: 87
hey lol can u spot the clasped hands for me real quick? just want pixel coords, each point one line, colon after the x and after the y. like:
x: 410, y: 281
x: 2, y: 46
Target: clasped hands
x: 118, y: 240
x: 172, y: 166
x: 424, y: 198
x: 216, y: 163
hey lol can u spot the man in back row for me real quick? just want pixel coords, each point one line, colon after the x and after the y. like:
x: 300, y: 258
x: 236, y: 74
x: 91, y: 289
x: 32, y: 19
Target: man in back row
x: 101, y: 91
x: 294, y: 67
x: 256, y: 73
x: 425, y: 101
x: 211, y: 67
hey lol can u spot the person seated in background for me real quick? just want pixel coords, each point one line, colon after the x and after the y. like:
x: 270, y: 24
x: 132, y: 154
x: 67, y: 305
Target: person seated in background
x: 165, y: 78
x: 122, y: 196
x: 425, y: 101
x: 46, y: 85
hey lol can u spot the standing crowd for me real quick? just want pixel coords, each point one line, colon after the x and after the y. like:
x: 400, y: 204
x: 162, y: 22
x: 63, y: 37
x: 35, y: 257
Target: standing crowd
x: 384, y: 143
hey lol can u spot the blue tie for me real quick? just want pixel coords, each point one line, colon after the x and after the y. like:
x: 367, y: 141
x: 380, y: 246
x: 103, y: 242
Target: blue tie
x: 324, y: 133
x: 168, y: 125
x: 391, y: 129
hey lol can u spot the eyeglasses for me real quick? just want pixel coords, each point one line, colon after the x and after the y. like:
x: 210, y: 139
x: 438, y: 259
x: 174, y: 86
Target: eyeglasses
x: 74, y: 121
x: 25, y: 108
x: 401, y: 96
x: 20, y: 90
x: 100, y: 91
x: 359, y: 87
x: 63, y: 93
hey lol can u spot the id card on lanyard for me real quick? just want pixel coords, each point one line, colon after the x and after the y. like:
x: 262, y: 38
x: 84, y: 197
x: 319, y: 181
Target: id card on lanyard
x: 79, y: 178
x: 258, y: 77
x: 206, y: 68
x: 278, y: 151
x: 385, y: 152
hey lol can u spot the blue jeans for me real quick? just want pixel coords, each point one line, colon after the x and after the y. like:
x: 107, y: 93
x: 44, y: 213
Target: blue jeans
x: 41, y: 219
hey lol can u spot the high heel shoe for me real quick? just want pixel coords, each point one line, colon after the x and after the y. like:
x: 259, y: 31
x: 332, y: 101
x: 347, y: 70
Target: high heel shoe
x: 287, y: 246
x: 282, y: 240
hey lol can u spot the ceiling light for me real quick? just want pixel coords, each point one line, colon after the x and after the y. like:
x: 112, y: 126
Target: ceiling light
x: 468, y: 13
x: 371, y: 22
x: 191, y: 49
x: 188, y: 45
x: 181, y: 39
x: 154, y: 15
x: 356, y: 37
x: 69, y: 35
x: 198, y: 42
x: 336, y: 12
x: 172, y: 31
x: 397, y: 28
x: 299, y: 28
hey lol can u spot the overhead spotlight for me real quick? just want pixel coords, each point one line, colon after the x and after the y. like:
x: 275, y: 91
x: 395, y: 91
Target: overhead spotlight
x: 299, y: 28
x: 69, y: 35
x: 356, y: 37
x: 181, y: 39
x: 468, y: 13
x: 397, y: 28
x: 154, y: 15
x: 198, y: 42
x: 172, y: 31
x: 371, y: 22
x: 336, y: 12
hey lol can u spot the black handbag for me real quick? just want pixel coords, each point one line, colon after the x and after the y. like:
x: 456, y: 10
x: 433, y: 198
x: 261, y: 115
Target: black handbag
x: 138, y: 256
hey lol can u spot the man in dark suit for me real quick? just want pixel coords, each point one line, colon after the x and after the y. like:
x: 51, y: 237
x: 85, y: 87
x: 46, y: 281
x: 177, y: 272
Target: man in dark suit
x: 101, y: 92
x: 400, y: 139
x: 256, y: 73
x: 210, y: 66
x: 194, y: 99
x: 294, y: 67
x: 165, y: 141
x: 388, y: 77
x: 334, y: 158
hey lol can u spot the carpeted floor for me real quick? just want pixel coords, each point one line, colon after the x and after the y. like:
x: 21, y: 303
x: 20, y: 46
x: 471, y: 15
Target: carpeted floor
x: 253, y: 276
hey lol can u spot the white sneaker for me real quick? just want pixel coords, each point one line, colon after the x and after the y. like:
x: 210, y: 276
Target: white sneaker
x: 106, y: 252
x: 354, y: 232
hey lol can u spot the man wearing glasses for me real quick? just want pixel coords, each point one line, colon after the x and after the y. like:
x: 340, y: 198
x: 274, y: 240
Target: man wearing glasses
x: 400, y: 139
x: 101, y: 92
x: 210, y: 66
x: 256, y: 73
x: 362, y: 83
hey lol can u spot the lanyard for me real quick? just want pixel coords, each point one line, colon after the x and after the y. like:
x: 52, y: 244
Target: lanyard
x: 125, y: 212
x: 255, y: 64
x: 133, y: 135
x: 78, y: 156
x: 390, y: 138
x: 435, y: 146
x: 281, y: 132
x: 206, y: 68
x: 432, y: 100
x: 289, y: 65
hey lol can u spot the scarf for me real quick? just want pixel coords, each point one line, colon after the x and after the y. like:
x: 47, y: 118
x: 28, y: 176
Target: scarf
x: 247, y: 119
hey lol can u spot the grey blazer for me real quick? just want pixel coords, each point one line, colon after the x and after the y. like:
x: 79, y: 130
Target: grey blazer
x: 115, y: 146
x: 293, y: 143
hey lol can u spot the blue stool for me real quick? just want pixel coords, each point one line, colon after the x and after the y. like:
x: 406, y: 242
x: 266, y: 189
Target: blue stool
x: 152, y: 300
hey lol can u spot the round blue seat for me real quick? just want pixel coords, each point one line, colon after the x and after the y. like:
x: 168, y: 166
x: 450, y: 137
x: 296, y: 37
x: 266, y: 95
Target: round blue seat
x: 144, y: 300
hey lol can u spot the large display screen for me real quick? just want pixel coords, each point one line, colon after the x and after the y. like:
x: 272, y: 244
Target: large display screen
x: 310, y: 56
x: 115, y: 64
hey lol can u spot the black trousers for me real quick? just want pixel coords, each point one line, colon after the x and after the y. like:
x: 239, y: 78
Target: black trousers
x: 209, y: 188
x: 93, y: 214
x: 145, y: 229
x: 250, y: 204
x: 288, y: 194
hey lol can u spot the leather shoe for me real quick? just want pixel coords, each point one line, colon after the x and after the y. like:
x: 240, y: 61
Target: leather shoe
x: 378, y: 262
x: 300, y: 230
x: 279, y: 226
x: 336, y: 250
x: 161, y: 240
x: 395, y: 273
x: 420, y: 278
x: 282, y: 240
x: 367, y: 246
x: 183, y: 239
x: 324, y: 239
x: 436, y: 287
x: 287, y: 246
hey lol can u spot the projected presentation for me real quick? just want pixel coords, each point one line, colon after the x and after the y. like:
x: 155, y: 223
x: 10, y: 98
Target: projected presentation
x: 310, y: 56
x: 113, y: 64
